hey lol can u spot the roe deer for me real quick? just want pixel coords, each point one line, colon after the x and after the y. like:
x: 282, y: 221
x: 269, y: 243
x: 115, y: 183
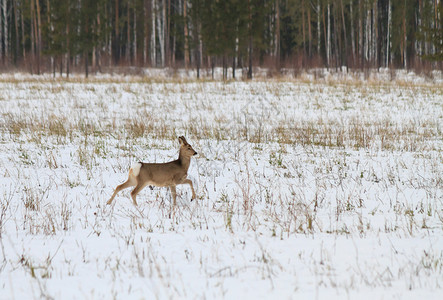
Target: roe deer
x: 160, y: 174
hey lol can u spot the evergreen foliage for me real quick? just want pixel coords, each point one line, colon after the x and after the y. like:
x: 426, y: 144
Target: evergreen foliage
x: 43, y: 35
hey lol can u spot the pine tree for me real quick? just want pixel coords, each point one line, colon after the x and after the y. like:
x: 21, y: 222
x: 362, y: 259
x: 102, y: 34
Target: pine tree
x: 432, y: 33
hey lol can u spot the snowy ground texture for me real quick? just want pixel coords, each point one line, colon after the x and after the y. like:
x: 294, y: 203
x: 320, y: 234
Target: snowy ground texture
x: 306, y: 189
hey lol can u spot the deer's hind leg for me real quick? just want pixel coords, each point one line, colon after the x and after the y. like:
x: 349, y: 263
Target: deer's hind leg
x: 128, y: 183
x: 174, y: 202
x: 137, y: 190
x: 174, y: 194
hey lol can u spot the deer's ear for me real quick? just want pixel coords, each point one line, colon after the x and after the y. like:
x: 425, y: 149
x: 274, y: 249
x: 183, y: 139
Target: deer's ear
x: 182, y: 140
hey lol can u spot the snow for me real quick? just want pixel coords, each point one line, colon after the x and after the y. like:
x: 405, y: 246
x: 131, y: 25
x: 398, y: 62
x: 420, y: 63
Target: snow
x: 305, y: 189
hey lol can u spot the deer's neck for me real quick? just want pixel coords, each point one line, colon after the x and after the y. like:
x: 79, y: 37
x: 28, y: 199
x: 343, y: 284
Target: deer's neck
x: 184, y: 161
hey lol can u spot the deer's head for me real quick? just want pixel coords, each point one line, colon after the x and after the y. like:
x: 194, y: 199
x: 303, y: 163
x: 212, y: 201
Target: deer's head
x: 185, y: 148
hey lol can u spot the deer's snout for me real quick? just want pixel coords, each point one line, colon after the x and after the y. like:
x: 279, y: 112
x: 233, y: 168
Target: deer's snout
x: 195, y: 153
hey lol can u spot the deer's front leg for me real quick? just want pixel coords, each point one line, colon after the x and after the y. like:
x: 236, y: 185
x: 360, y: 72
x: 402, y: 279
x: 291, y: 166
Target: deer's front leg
x: 189, y: 181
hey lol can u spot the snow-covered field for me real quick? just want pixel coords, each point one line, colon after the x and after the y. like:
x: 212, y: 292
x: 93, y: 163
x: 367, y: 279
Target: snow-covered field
x: 306, y: 189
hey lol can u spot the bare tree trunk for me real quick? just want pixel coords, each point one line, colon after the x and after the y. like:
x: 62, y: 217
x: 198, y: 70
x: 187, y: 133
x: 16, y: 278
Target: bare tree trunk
x: 250, y: 41
x: 5, y: 27
x: 17, y: 38
x: 233, y: 67
x: 225, y: 67
x: 388, y: 35
x: 161, y: 35
x: 418, y: 45
x: 367, y: 36
x: 87, y: 27
x: 309, y: 34
x: 51, y: 28
x: 94, y: 54
x: 68, y: 47
x: 117, y: 33
x: 426, y: 44
x: 277, y: 35
x: 405, y: 38
x: 345, y: 34
x: 94, y: 60
x: 434, y: 50
x: 134, y: 42
x: 173, y: 50
x: 32, y: 36
x: 337, y: 40
x: 318, y: 27
x: 128, y: 35
x: 97, y: 51
x: 441, y: 23
x: 164, y: 32
x: 61, y: 65
x: 328, y: 43
x: 23, y: 35
x: 185, y: 16
x: 375, y: 34
x: 2, y: 21
x: 167, y: 14
x: 360, y: 48
x: 325, y: 33
x: 352, y: 33
x: 303, y: 32
x: 86, y: 63
x: 145, y: 33
x: 39, y: 36
x: 153, y: 37
x: 212, y: 67
x: 200, y: 45
x: 109, y: 39
x: 198, y: 53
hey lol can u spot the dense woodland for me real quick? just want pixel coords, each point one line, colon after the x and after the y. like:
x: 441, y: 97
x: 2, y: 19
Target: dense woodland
x: 91, y: 35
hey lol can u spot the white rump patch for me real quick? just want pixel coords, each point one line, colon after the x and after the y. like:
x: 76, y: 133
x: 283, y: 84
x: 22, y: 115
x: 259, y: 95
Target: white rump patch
x: 135, y: 169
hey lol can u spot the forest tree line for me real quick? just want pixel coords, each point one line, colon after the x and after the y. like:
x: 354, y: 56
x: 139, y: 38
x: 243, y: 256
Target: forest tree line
x: 66, y: 35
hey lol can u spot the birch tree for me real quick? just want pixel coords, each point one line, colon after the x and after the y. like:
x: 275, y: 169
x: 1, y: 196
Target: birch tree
x: 153, y: 48
x: 388, y: 36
